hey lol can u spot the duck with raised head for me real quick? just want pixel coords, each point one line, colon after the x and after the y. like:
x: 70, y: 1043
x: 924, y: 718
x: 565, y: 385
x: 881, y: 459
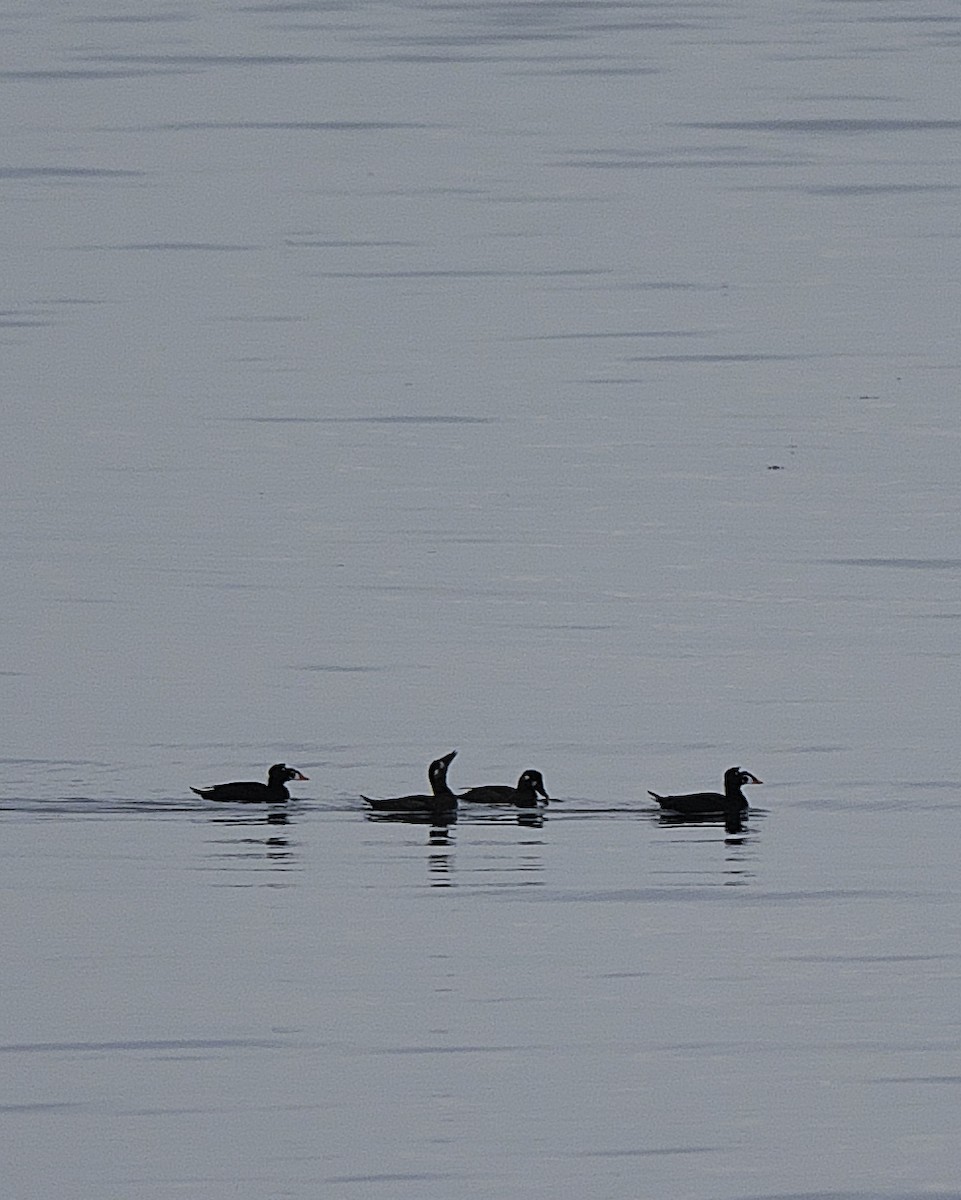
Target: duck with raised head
x: 705, y: 803
x: 274, y: 791
x: 441, y: 799
x: 529, y: 787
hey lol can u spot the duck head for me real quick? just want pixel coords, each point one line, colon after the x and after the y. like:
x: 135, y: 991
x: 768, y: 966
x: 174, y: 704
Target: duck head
x: 735, y: 779
x: 281, y: 773
x: 437, y: 772
x: 535, y: 781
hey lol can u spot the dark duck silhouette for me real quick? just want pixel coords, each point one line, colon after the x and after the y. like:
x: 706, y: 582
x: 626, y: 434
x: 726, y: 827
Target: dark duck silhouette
x: 529, y: 787
x: 732, y: 802
x: 249, y: 791
x: 441, y: 799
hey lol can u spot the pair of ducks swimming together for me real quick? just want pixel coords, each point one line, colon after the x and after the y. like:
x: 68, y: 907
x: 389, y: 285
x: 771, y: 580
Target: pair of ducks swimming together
x: 530, y: 787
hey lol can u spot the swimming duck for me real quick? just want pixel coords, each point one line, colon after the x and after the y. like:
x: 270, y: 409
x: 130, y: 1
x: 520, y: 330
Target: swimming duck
x: 529, y: 787
x: 441, y: 799
x: 699, y: 803
x: 250, y: 792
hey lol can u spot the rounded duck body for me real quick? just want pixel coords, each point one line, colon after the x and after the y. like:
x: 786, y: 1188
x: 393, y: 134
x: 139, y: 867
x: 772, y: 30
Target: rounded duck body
x: 530, y: 786
x: 249, y: 791
x: 440, y: 800
x: 704, y: 803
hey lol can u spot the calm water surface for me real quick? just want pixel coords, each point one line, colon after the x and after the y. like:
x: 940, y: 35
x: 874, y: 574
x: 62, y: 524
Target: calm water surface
x: 571, y: 384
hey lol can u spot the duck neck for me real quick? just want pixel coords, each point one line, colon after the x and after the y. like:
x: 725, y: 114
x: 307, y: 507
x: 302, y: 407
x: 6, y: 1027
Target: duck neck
x: 733, y: 796
x: 526, y: 796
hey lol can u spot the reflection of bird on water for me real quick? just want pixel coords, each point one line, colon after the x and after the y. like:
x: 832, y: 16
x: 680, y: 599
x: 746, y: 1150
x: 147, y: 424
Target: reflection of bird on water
x: 273, y: 791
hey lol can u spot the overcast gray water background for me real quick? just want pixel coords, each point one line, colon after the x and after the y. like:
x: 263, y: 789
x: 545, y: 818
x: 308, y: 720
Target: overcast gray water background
x: 574, y: 384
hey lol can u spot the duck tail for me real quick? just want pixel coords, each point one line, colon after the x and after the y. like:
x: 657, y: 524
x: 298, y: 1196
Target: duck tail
x: 199, y: 791
x: 655, y: 796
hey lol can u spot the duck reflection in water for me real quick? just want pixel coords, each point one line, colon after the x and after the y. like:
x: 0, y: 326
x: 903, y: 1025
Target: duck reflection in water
x: 531, y: 819
x: 738, y: 861
x: 440, y: 860
x: 735, y: 824
x: 437, y: 821
x: 242, y: 851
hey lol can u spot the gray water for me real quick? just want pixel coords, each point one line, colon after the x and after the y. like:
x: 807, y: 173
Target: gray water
x: 573, y: 384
